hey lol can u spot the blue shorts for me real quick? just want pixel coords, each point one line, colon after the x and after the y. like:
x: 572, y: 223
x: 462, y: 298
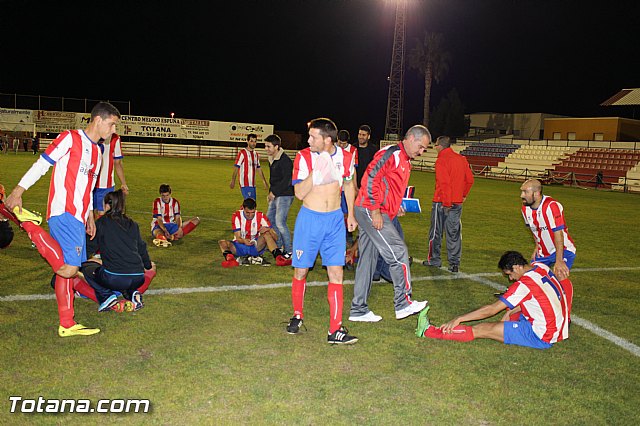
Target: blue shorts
x: 98, y: 197
x: 319, y: 232
x: 521, y: 333
x: 171, y: 227
x: 70, y: 233
x: 245, y: 250
x: 248, y: 192
x: 567, y: 256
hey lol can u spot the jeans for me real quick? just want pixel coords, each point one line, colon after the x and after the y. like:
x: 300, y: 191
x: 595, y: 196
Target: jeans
x: 277, y: 214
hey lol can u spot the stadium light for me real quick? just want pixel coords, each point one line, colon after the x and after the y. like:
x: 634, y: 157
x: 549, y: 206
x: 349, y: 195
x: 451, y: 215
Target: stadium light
x: 172, y: 114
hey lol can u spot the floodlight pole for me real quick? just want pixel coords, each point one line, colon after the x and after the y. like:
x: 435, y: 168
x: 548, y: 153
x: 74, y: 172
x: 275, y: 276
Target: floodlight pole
x: 395, y: 100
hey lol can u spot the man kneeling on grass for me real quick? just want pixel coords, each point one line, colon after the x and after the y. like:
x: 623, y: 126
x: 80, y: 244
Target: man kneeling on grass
x: 252, y: 234
x: 537, y: 306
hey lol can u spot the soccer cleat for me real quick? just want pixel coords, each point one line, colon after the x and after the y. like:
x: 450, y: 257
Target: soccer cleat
x: 368, y: 317
x: 429, y: 264
x: 294, y: 324
x: 77, y: 330
x: 281, y: 261
x: 230, y: 261
x: 120, y: 306
x: 27, y: 215
x: 341, y: 337
x: 160, y: 242
x: 244, y: 261
x: 453, y: 268
x: 287, y: 255
x: 108, y: 304
x: 136, y: 299
x: 413, y: 308
x: 259, y: 260
x: 423, y: 322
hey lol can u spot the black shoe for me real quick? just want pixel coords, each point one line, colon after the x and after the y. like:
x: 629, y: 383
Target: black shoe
x: 294, y: 325
x: 453, y: 268
x: 427, y: 263
x: 376, y: 277
x: 341, y: 337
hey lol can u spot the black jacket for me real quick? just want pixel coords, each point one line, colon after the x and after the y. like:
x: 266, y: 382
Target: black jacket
x: 281, y: 168
x: 121, y: 247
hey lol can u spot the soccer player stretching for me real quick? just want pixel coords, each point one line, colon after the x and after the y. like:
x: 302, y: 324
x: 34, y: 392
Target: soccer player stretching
x: 76, y: 158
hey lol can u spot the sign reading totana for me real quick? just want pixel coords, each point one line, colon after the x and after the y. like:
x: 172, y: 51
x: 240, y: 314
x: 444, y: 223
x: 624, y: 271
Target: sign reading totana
x: 141, y: 126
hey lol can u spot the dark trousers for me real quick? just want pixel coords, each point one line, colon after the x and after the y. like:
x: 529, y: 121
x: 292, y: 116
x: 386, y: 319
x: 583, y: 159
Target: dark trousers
x: 104, y: 283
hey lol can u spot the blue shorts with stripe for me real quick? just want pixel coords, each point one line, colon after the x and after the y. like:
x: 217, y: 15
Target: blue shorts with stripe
x: 171, y: 227
x: 70, y: 233
x: 568, y: 257
x: 521, y: 333
x: 322, y: 232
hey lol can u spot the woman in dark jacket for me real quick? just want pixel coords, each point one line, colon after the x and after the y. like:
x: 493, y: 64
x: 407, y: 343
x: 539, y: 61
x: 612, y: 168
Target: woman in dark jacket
x: 123, y: 254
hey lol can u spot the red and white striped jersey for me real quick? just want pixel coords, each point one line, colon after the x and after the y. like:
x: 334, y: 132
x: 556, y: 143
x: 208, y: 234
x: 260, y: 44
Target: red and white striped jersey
x: 543, y: 222
x: 543, y: 302
x: 76, y: 163
x: 166, y: 212
x: 248, y: 228
x: 247, y: 162
x: 110, y: 152
x: 354, y: 153
x: 306, y: 160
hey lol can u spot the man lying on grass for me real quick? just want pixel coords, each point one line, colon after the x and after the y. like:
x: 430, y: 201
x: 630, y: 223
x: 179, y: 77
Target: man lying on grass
x: 537, y: 310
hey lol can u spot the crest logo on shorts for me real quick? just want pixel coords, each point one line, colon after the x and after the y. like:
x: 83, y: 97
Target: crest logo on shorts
x: 79, y: 250
x: 299, y: 253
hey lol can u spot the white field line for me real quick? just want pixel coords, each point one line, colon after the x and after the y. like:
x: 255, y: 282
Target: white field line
x: 479, y: 278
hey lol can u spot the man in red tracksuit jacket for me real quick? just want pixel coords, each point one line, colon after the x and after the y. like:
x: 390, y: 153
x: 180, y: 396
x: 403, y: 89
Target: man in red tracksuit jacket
x: 453, y: 183
x: 376, y: 205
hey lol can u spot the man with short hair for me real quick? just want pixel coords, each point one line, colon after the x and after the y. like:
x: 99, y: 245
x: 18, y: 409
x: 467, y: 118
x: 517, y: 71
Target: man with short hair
x: 246, y: 164
x: 537, y: 304
x: 280, y: 192
x: 111, y: 161
x: 454, y: 179
x: 76, y: 158
x: 377, y: 204
x: 366, y: 151
x: 343, y: 142
x: 544, y: 217
x: 252, y: 233
x: 319, y: 173
x: 167, y: 225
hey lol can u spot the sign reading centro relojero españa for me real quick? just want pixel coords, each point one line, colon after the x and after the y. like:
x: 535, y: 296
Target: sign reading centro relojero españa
x: 142, y: 126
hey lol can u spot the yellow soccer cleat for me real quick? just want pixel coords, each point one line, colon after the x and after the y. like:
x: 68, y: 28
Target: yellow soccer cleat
x: 27, y: 216
x: 77, y: 330
x: 159, y: 242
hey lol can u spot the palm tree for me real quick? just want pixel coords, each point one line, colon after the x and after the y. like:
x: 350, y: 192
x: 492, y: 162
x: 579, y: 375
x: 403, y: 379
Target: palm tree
x: 430, y: 58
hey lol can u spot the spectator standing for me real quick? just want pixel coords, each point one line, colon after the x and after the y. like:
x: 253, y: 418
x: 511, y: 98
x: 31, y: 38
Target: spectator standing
x: 366, y: 151
x: 280, y: 191
x: 111, y: 161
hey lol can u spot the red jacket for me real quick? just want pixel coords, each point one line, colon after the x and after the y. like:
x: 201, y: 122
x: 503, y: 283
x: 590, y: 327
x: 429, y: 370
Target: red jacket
x: 453, y: 178
x: 385, y: 180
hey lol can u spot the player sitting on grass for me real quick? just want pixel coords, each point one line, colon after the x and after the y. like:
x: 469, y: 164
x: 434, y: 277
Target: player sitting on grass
x: 537, y: 310
x: 252, y: 233
x: 167, y: 225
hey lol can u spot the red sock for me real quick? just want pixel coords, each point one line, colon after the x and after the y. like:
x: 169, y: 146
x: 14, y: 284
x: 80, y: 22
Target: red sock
x: 567, y: 286
x: 190, y: 226
x: 65, y: 296
x: 334, y: 295
x: 84, y: 289
x: 297, y: 295
x: 148, y: 276
x: 46, y: 245
x: 461, y: 333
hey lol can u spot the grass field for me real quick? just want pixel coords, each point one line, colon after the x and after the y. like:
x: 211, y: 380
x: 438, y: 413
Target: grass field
x: 219, y: 354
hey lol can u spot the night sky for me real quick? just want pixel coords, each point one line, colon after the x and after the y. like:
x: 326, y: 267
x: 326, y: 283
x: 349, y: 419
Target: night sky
x: 283, y: 62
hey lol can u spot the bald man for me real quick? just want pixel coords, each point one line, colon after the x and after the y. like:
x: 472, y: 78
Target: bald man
x: 544, y: 216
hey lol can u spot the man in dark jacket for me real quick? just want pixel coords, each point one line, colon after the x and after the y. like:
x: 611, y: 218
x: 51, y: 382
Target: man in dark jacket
x: 280, y: 191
